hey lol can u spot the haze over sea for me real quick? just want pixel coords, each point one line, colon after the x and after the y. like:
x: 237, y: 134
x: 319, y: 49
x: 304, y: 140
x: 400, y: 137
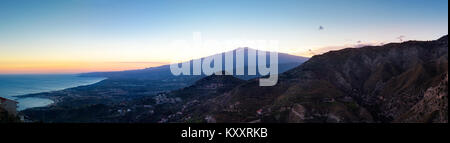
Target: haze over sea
x: 12, y: 86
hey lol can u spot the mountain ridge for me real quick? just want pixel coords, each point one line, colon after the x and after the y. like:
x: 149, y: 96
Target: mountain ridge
x: 286, y: 61
x: 368, y: 84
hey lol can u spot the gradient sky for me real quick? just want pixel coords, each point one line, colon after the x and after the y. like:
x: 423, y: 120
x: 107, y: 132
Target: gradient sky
x: 71, y: 36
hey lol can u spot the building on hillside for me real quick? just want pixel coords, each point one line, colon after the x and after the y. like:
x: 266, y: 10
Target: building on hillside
x: 9, y: 105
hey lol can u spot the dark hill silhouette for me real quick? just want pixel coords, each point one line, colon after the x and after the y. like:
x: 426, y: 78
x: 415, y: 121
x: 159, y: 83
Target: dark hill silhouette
x: 398, y: 82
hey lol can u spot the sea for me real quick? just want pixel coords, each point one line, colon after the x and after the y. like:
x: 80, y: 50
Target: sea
x: 12, y: 86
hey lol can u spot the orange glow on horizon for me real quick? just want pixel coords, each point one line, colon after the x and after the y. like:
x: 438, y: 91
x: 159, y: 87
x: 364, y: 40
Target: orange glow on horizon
x: 71, y: 67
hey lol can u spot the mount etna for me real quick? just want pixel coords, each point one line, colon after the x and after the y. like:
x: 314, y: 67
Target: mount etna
x: 396, y: 82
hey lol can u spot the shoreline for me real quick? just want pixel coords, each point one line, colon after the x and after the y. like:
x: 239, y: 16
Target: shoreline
x: 46, y: 95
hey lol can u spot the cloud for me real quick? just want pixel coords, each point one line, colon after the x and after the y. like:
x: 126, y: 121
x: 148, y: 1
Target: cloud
x: 141, y: 62
x: 321, y: 50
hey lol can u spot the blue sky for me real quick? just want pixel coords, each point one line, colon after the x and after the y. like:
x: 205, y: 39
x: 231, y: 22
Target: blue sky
x: 140, y: 30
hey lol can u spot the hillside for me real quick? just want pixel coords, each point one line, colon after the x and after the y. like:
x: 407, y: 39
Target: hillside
x: 187, y: 106
x: 399, y: 82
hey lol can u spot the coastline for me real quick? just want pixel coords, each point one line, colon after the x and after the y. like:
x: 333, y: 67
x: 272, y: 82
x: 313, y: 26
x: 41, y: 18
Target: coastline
x: 48, y: 95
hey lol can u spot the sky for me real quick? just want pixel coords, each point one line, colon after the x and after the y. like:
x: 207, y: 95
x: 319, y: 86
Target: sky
x: 73, y: 36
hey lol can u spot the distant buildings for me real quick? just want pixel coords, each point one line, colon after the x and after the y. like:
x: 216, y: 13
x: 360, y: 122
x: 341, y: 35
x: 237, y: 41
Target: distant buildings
x: 259, y: 112
x: 210, y: 119
x: 162, y: 98
x: 9, y: 105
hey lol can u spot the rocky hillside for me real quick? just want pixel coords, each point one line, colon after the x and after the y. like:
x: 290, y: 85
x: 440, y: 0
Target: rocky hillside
x: 398, y: 82
x: 188, y: 105
x: 208, y: 86
x: 433, y: 107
